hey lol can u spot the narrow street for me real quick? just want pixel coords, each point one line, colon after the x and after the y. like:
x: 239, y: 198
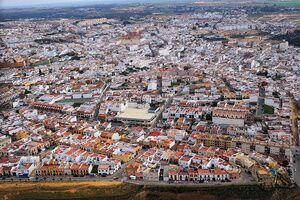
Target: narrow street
x: 159, y: 115
x: 98, y: 105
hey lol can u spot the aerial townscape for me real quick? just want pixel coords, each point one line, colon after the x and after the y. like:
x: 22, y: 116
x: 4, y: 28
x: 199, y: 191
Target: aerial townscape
x: 196, y: 93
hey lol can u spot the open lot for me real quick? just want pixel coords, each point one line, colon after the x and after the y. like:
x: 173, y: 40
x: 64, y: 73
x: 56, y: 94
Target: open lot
x: 65, y: 190
x: 118, y: 190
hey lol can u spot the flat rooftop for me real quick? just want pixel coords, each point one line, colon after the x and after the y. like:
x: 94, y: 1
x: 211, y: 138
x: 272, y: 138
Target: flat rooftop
x: 136, y: 114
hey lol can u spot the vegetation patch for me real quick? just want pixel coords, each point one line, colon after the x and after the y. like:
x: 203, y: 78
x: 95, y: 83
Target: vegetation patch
x: 116, y: 190
x: 288, y: 3
x: 67, y: 190
x: 268, y: 110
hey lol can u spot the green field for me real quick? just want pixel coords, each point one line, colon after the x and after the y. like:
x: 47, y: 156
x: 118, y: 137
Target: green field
x: 286, y: 3
x: 268, y: 110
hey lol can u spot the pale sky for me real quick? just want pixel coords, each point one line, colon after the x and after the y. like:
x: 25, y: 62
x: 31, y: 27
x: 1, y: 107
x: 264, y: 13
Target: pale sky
x: 32, y: 3
x: 29, y: 3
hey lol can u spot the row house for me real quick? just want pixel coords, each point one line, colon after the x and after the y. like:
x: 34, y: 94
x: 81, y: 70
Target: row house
x: 220, y: 141
x: 24, y: 170
x: 230, y: 115
x: 53, y: 168
x: 134, y: 169
x: 199, y: 175
x: 69, y: 154
x: 80, y: 169
x: 48, y: 107
x: 173, y: 112
x: 185, y: 161
x: 159, y: 142
x: 110, y: 136
x: 109, y: 167
x: 264, y: 147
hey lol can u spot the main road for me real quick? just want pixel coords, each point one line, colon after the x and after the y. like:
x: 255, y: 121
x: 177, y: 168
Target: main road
x: 295, y: 164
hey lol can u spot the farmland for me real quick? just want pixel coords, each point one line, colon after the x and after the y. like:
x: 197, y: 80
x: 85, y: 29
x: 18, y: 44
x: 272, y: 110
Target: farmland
x: 110, y: 190
x: 286, y: 3
x: 66, y: 190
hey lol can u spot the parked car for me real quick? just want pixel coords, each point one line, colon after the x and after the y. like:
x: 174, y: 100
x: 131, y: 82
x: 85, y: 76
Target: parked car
x: 93, y: 175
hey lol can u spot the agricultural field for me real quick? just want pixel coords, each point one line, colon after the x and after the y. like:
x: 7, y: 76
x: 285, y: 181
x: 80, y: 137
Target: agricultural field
x: 66, y: 190
x: 293, y: 18
x: 288, y: 3
x: 116, y: 190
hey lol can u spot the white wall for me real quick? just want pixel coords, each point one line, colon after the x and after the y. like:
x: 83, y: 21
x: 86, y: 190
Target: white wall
x: 221, y: 120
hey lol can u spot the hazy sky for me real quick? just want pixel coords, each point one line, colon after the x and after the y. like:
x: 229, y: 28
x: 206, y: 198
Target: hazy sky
x: 30, y: 3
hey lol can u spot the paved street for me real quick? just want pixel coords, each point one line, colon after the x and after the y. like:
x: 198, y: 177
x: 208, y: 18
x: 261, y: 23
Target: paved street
x: 120, y: 176
x: 159, y: 115
x: 121, y: 173
x: 98, y: 106
x: 295, y: 163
